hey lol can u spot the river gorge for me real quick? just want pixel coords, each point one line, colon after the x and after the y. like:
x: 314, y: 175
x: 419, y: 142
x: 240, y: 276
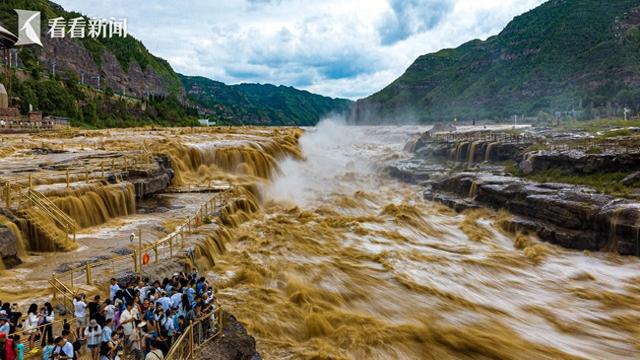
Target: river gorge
x: 321, y: 254
x: 342, y: 261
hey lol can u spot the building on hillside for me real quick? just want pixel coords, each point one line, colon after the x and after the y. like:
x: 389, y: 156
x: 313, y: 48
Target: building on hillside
x: 60, y: 122
x: 206, y: 122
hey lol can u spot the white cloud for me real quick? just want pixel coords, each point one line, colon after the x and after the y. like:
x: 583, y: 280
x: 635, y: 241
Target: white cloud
x: 333, y: 47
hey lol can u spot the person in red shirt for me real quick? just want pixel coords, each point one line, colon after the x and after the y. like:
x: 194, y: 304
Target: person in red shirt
x: 7, y: 352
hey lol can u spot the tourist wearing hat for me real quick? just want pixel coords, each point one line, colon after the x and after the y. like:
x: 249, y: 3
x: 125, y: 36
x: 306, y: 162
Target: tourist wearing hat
x: 93, y: 334
x: 5, y: 327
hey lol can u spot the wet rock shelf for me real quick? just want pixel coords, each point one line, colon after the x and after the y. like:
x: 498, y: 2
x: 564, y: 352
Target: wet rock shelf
x: 572, y: 216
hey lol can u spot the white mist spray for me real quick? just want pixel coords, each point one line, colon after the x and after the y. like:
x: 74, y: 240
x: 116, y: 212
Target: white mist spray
x: 340, y: 159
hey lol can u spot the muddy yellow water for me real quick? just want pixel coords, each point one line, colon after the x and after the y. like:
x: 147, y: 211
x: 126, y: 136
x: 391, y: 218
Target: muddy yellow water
x: 340, y: 262
x: 103, y: 214
x: 321, y: 256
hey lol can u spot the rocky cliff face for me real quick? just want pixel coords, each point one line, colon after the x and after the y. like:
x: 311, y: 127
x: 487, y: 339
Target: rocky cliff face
x: 70, y: 55
x: 578, y: 162
x: 8, y: 248
x: 563, y: 55
x: 572, y: 216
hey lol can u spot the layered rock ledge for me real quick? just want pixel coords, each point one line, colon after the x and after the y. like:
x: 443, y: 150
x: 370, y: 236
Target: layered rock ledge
x: 9, y: 247
x: 571, y: 216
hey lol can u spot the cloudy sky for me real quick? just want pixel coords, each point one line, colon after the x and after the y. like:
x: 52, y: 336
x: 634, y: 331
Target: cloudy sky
x: 340, y: 48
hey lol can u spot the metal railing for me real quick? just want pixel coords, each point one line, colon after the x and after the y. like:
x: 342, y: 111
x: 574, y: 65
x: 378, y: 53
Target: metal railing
x: 68, y: 284
x: 29, y: 345
x: 486, y: 135
x: 197, y: 334
x: 64, y: 221
x: 73, y: 280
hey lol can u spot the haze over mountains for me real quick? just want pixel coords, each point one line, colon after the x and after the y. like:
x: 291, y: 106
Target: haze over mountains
x: 565, y: 55
x: 261, y: 104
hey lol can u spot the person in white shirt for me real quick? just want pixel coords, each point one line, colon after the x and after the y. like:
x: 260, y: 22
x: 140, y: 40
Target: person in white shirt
x: 127, y: 319
x: 80, y: 314
x: 109, y: 310
x: 64, y: 348
x: 30, y: 324
x: 93, y: 333
x: 143, y: 289
x: 113, y: 289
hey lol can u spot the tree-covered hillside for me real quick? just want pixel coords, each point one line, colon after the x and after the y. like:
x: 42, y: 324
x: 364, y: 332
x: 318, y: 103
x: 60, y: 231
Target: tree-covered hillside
x: 261, y: 104
x: 117, y: 82
x: 125, y: 49
x: 565, y: 55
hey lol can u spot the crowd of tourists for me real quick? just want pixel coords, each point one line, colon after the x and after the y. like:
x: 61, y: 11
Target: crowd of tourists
x: 141, y: 319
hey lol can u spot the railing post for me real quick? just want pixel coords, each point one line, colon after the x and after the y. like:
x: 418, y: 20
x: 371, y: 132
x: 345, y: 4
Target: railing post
x: 190, y: 341
x: 189, y: 224
x: 135, y: 261
x: 171, y: 246
x: 30, y: 181
x: 125, y: 163
x: 53, y: 282
x: 8, y: 195
x: 67, y: 176
x: 71, y: 273
x: 86, y: 175
x: 88, y: 273
x: 155, y: 251
x: 182, y: 237
x: 140, y: 250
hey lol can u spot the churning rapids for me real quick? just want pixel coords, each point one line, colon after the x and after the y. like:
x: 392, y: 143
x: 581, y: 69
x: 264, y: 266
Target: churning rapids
x: 341, y: 262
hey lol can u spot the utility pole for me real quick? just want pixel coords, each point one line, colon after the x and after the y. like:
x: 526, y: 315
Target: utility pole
x: 53, y: 68
x: 97, y: 77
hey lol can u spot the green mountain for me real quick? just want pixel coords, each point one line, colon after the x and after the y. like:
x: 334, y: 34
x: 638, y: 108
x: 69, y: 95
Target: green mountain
x: 261, y: 104
x: 102, y: 82
x: 118, y: 82
x: 565, y: 55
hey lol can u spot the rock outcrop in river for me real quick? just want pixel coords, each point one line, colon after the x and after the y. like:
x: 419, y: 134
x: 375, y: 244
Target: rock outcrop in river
x: 571, y: 216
